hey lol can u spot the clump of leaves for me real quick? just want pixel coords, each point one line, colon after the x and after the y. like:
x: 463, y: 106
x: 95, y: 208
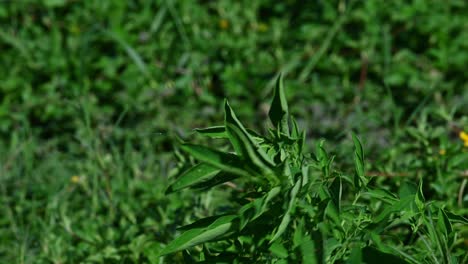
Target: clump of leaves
x: 294, y: 207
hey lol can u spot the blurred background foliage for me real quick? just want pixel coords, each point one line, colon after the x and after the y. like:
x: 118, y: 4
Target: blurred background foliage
x: 94, y: 89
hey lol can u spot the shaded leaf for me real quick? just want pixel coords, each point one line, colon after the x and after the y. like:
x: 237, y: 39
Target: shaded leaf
x: 218, y: 179
x: 279, y: 108
x: 257, y: 207
x: 373, y: 255
x: 454, y: 218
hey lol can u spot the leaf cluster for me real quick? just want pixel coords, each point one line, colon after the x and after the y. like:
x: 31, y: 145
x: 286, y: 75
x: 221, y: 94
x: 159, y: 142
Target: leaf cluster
x: 294, y: 207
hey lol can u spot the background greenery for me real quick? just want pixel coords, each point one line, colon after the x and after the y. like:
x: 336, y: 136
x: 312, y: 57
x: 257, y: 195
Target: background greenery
x: 91, y: 92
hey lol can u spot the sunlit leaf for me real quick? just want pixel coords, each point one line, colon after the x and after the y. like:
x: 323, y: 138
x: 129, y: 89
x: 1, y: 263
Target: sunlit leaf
x: 308, y: 252
x: 443, y: 223
x: 287, y: 215
x: 279, y: 250
x: 212, y: 132
x: 195, y: 175
x: 221, y: 227
x: 396, y: 207
x: 359, y: 163
x: 221, y: 160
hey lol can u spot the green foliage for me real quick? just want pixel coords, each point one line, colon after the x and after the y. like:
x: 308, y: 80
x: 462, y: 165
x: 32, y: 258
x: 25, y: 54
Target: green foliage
x: 288, y: 213
x: 93, y: 95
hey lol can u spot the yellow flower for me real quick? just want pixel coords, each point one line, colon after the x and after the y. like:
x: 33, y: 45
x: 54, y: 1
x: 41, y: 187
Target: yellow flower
x: 262, y: 27
x: 74, y: 29
x: 75, y: 179
x: 464, y: 137
x: 223, y: 24
x: 442, y: 152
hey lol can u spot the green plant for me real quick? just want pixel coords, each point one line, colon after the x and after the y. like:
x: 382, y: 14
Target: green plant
x: 90, y: 88
x: 288, y: 206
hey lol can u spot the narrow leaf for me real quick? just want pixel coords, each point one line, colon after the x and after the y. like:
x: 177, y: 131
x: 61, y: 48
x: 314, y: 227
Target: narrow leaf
x: 257, y: 207
x: 360, y: 178
x: 279, y: 107
x: 419, y: 197
x: 213, y: 132
x: 221, y: 160
x: 218, y: 179
x: 222, y: 227
x: 195, y: 175
x: 248, y: 150
x: 444, y: 224
x: 201, y: 223
x: 396, y: 207
x: 358, y: 146
x: 287, y: 216
x: 244, y: 144
x: 220, y: 132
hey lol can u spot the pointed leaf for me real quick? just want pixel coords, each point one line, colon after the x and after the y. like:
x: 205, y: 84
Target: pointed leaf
x: 299, y: 233
x: 295, y: 128
x: 308, y: 252
x: 419, y: 197
x: 287, y: 216
x: 358, y: 146
x: 394, y: 208
x: 382, y: 194
x: 444, y: 224
x: 222, y: 227
x: 221, y: 160
x: 257, y: 207
x: 248, y: 150
x: 279, y: 250
x: 218, y: 179
x: 220, y: 132
x: 244, y: 144
x: 360, y: 179
x: 212, y: 132
x: 201, y: 223
x: 454, y: 218
x: 195, y: 175
x: 279, y: 107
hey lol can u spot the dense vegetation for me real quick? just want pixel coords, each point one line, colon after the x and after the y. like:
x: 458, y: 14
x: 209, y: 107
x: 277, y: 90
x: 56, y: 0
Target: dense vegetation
x: 98, y: 100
